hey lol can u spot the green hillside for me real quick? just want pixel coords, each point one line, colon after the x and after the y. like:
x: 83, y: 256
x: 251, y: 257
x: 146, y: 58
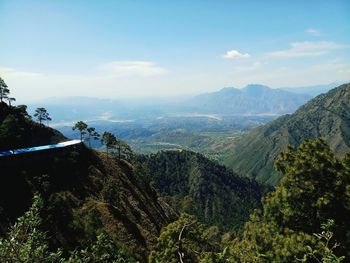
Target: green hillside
x: 199, y: 186
x: 327, y: 115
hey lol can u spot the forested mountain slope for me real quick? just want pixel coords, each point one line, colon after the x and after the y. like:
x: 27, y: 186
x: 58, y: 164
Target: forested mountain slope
x: 84, y: 192
x: 204, y: 188
x: 327, y: 115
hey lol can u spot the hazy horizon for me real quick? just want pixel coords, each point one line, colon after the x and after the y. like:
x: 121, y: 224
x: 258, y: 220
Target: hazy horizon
x: 165, y: 98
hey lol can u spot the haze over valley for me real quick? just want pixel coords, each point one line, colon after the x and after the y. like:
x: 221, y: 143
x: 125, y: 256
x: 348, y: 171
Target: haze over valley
x: 208, y: 123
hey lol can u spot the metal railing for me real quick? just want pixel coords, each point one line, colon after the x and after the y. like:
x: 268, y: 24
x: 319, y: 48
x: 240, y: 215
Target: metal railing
x: 39, y: 148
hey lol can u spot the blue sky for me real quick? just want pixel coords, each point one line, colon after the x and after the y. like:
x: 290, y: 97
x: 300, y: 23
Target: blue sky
x: 162, y: 48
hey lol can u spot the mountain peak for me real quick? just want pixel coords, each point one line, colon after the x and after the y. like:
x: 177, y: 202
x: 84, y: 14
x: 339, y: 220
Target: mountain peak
x: 228, y: 90
x: 255, y: 89
x: 252, y: 99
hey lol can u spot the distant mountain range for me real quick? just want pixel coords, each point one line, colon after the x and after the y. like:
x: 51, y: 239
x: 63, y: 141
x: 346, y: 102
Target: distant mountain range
x: 313, y: 90
x: 253, y: 99
x: 327, y: 115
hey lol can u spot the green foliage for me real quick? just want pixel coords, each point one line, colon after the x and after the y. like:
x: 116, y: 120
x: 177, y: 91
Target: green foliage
x: 103, y: 250
x: 264, y: 241
x: 25, y: 242
x: 187, y: 240
x: 324, y: 253
x: 315, y: 187
x: 314, y: 174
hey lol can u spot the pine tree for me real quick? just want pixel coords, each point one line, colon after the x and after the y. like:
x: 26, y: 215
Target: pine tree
x: 41, y: 115
x: 314, y: 189
x: 109, y: 140
x: 4, y: 91
x: 81, y: 127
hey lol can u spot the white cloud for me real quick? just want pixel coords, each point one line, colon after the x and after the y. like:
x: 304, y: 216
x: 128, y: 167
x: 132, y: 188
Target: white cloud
x: 233, y: 54
x: 133, y: 68
x: 296, y: 75
x: 307, y: 49
x: 313, y: 32
x: 114, y: 79
x: 11, y: 72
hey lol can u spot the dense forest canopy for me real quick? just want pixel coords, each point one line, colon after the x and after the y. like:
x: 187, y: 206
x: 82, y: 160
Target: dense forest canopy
x: 194, y: 184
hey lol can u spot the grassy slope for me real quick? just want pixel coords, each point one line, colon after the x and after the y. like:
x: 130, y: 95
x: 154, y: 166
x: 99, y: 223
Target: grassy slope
x: 328, y: 116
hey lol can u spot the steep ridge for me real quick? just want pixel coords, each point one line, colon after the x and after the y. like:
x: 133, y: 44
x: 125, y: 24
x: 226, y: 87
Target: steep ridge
x: 327, y: 115
x: 197, y: 185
